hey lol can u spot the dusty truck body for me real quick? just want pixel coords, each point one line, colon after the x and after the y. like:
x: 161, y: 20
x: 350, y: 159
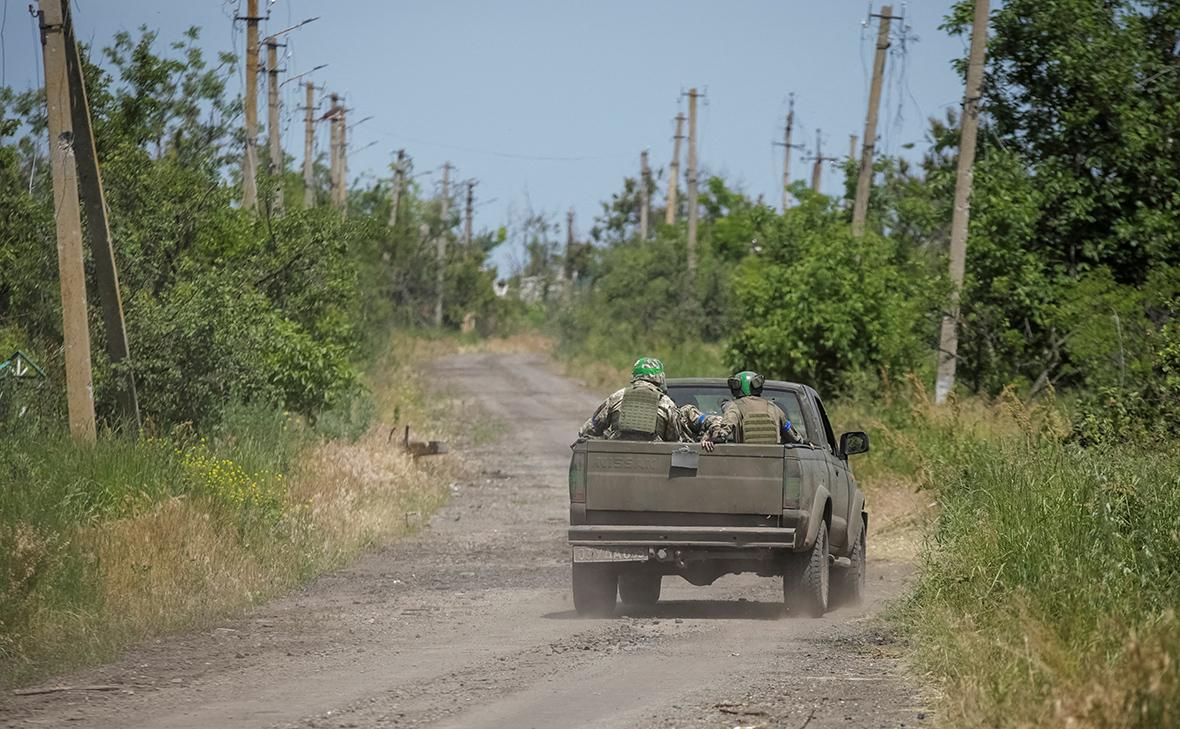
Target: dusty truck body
x: 640, y: 511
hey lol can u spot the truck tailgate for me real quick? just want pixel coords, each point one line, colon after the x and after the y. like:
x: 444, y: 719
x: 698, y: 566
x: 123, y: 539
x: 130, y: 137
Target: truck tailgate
x: 631, y: 476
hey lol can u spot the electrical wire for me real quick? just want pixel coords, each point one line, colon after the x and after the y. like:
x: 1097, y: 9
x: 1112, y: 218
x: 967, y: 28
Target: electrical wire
x: 505, y: 155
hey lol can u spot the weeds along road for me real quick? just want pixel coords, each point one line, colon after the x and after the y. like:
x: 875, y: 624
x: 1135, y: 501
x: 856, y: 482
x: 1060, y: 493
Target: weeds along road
x: 470, y: 624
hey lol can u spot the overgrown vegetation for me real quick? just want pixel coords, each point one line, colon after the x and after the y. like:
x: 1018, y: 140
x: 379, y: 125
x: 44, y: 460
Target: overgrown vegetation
x: 260, y: 343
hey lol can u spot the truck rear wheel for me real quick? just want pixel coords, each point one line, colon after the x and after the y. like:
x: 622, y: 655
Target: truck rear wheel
x: 806, y: 578
x: 596, y: 588
x: 848, y: 585
x: 641, y: 589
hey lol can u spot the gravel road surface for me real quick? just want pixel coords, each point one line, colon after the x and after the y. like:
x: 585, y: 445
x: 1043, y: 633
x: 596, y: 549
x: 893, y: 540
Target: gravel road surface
x: 470, y: 624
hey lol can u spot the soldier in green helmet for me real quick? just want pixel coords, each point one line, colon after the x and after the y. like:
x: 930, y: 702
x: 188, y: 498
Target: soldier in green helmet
x: 640, y: 411
x: 750, y: 418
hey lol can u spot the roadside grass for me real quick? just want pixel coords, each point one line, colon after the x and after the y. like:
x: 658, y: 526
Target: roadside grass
x: 1050, y: 578
x: 102, y: 547
x: 604, y: 364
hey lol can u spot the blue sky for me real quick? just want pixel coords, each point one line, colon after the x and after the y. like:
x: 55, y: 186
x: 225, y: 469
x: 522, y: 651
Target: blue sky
x: 548, y: 104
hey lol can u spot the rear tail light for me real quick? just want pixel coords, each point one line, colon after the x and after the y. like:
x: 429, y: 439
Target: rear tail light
x: 578, y: 478
x: 792, y: 483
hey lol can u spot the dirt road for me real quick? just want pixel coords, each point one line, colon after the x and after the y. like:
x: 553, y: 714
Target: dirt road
x: 470, y: 624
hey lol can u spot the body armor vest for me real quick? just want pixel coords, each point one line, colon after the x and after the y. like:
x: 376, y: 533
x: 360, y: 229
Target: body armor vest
x: 758, y: 425
x: 639, y: 413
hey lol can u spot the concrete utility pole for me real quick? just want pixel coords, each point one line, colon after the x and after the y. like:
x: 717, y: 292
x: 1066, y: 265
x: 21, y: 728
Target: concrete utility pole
x: 309, y: 148
x: 441, y: 244
x: 68, y: 221
x: 674, y: 172
x: 469, y: 215
x: 399, y: 181
x: 568, y: 268
x: 276, y: 162
x: 864, y: 181
x: 692, y: 183
x: 817, y: 168
x: 787, y: 131
x: 852, y: 138
x: 948, y: 341
x: 250, y: 163
x: 98, y: 228
x: 644, y: 194
x: 342, y: 156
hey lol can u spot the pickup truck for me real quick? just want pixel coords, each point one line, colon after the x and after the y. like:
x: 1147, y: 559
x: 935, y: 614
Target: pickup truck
x: 640, y: 510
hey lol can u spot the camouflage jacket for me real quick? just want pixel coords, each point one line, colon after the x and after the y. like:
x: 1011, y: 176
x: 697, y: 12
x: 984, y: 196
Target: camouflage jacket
x: 604, y: 423
x: 700, y: 424
x: 737, y: 415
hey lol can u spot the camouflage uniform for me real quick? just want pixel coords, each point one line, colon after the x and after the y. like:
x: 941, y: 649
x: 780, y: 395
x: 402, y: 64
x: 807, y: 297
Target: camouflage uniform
x: 639, y: 411
x: 754, y: 419
x: 700, y: 424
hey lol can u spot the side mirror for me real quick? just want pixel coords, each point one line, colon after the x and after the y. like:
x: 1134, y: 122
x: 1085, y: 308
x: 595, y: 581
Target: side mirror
x: 854, y: 442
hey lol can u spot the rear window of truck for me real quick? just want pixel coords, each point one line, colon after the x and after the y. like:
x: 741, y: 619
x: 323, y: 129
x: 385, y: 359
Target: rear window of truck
x: 711, y: 399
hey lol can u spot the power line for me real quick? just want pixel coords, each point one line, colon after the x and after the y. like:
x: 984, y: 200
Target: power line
x: 506, y: 155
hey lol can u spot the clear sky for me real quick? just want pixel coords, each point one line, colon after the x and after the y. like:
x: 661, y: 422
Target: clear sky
x: 549, y: 103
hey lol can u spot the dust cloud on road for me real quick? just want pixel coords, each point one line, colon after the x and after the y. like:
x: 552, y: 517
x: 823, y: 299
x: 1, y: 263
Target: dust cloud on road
x: 470, y: 624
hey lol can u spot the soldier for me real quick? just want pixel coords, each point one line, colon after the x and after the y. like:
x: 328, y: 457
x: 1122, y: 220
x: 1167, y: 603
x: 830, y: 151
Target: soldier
x: 704, y: 427
x: 749, y: 418
x: 640, y: 411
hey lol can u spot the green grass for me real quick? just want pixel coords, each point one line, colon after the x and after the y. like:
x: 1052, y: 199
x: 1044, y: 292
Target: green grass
x: 1051, y: 580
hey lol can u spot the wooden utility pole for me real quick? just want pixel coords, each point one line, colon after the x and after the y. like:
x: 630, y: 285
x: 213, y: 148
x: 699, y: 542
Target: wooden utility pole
x: 948, y: 341
x: 787, y: 131
x: 441, y: 244
x: 250, y: 163
x: 98, y: 228
x: 674, y: 172
x: 309, y: 148
x: 68, y: 222
x: 864, y: 181
x: 399, y: 181
x: 644, y: 194
x: 568, y: 268
x: 469, y: 215
x: 276, y: 164
x: 692, y: 183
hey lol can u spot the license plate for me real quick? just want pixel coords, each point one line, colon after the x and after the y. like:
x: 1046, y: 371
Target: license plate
x: 609, y: 554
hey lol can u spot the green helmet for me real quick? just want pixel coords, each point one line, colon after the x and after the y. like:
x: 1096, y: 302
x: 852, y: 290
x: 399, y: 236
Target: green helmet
x: 649, y: 369
x: 746, y: 383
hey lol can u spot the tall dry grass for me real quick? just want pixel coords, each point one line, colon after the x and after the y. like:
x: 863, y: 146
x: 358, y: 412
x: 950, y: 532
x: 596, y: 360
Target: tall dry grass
x: 104, y: 547
x: 1050, y: 579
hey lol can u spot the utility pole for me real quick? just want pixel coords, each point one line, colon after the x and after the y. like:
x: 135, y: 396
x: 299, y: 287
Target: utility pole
x: 68, y: 222
x: 864, y: 181
x: 817, y: 168
x: 250, y: 163
x: 569, y: 245
x: 644, y: 194
x: 948, y: 341
x: 399, y: 180
x: 309, y: 148
x: 852, y: 138
x: 342, y: 156
x: 787, y: 131
x: 469, y: 215
x: 692, y: 183
x: 674, y: 172
x: 98, y: 228
x: 277, y: 163
x: 441, y: 244
x: 335, y: 113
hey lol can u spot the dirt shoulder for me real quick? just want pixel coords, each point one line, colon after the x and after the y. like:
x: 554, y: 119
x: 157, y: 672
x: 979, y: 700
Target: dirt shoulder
x: 470, y: 624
